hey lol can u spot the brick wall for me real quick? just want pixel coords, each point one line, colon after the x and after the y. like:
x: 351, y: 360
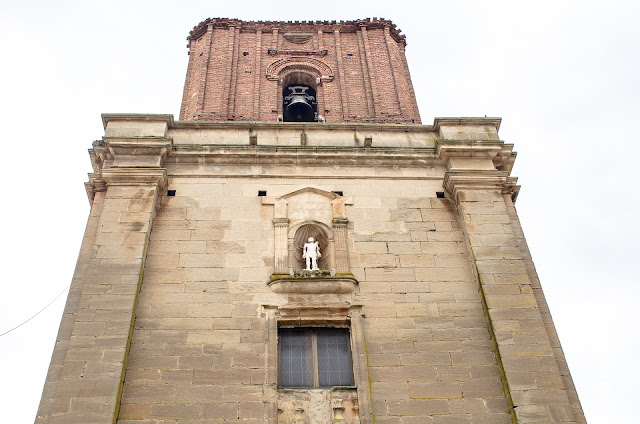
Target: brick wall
x: 362, y: 66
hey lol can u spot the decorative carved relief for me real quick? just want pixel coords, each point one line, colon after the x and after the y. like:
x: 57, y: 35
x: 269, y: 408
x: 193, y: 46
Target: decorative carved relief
x: 338, y: 405
x: 297, y: 38
x: 298, y: 52
x: 318, y: 67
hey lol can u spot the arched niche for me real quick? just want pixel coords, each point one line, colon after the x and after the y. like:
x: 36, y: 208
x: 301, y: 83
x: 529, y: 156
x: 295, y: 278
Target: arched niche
x: 298, y: 236
x: 304, y: 213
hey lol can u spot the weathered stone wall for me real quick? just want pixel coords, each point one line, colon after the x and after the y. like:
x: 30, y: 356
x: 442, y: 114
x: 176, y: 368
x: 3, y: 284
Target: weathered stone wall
x: 198, y: 348
x: 177, y: 300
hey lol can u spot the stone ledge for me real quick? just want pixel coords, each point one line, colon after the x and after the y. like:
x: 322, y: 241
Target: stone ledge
x: 342, y: 283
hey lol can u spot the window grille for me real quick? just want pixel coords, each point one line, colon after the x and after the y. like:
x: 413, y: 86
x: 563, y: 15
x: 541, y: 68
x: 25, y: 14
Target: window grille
x: 315, y: 357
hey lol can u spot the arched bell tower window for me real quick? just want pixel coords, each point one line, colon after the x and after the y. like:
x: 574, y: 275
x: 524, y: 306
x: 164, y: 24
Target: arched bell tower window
x: 299, y: 98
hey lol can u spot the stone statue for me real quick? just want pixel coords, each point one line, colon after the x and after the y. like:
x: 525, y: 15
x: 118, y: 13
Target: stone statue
x: 311, y: 253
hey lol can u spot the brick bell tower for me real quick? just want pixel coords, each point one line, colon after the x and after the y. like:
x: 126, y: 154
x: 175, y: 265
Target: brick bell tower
x: 352, y: 71
x: 298, y: 248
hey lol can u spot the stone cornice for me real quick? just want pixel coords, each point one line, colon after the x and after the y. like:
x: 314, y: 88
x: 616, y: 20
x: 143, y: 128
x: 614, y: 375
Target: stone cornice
x: 130, y: 152
x: 138, y: 153
x: 501, y: 155
x: 257, y: 125
x: 307, y: 156
x: 100, y: 181
x: 457, y: 181
x: 136, y: 117
x: 135, y: 177
x: 94, y: 185
x: 439, y: 122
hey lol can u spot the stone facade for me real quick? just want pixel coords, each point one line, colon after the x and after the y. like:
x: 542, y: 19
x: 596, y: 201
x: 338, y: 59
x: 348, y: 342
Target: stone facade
x: 189, y: 269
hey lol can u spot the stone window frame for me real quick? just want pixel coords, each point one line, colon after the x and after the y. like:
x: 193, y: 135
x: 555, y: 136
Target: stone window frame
x: 350, y: 317
x: 313, y: 332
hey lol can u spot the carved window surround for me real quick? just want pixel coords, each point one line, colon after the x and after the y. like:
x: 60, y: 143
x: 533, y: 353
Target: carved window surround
x: 345, y: 405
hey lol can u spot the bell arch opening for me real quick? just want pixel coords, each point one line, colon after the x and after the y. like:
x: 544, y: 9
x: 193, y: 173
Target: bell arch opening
x: 302, y: 235
x: 299, y: 98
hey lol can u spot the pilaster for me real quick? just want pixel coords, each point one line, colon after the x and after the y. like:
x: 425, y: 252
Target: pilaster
x: 482, y: 191
x: 281, y: 249
x: 340, y: 237
x: 94, y: 342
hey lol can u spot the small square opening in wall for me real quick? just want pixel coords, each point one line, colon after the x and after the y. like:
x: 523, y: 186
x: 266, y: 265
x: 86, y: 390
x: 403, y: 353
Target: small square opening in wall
x: 262, y: 193
x: 440, y: 194
x: 171, y: 193
x: 339, y: 193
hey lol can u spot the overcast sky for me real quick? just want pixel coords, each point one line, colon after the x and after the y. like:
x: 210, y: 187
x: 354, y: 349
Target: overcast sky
x: 563, y: 75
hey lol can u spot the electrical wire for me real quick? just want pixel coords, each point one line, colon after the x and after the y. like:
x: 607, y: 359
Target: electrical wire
x: 37, y: 313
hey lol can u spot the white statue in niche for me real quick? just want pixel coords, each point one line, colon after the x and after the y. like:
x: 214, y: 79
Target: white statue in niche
x: 311, y: 253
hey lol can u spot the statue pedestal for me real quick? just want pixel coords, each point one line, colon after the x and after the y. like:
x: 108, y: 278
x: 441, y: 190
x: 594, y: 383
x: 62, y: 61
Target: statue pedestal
x: 311, y: 282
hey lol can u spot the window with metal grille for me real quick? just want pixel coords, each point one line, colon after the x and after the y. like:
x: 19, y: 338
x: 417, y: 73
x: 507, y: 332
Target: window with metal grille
x: 315, y: 357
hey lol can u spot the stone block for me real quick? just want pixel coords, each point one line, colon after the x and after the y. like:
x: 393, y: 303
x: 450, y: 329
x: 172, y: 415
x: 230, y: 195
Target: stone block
x: 451, y: 373
x: 425, y: 407
x: 417, y: 260
x: 532, y: 414
x: 222, y: 377
x: 435, y: 390
x: 511, y: 301
x: 422, y: 359
x: 409, y: 287
x: 201, y: 260
x: 390, y: 390
x: 452, y: 419
x: 134, y: 411
x: 198, y: 393
x: 390, y: 274
x: 382, y: 260
x: 473, y: 358
x: 482, y: 387
x: 403, y: 372
x: 405, y: 215
x: 220, y: 410
x: 408, y: 247
x: 180, y: 411
x: 195, y: 362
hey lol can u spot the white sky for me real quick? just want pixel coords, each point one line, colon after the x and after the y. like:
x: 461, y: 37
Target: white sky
x: 563, y: 76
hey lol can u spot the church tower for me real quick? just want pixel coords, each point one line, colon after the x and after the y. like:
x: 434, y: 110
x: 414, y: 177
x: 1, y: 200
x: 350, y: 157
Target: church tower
x: 299, y: 248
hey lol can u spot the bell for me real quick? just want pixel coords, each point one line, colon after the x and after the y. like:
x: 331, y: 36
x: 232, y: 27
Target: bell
x: 298, y: 105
